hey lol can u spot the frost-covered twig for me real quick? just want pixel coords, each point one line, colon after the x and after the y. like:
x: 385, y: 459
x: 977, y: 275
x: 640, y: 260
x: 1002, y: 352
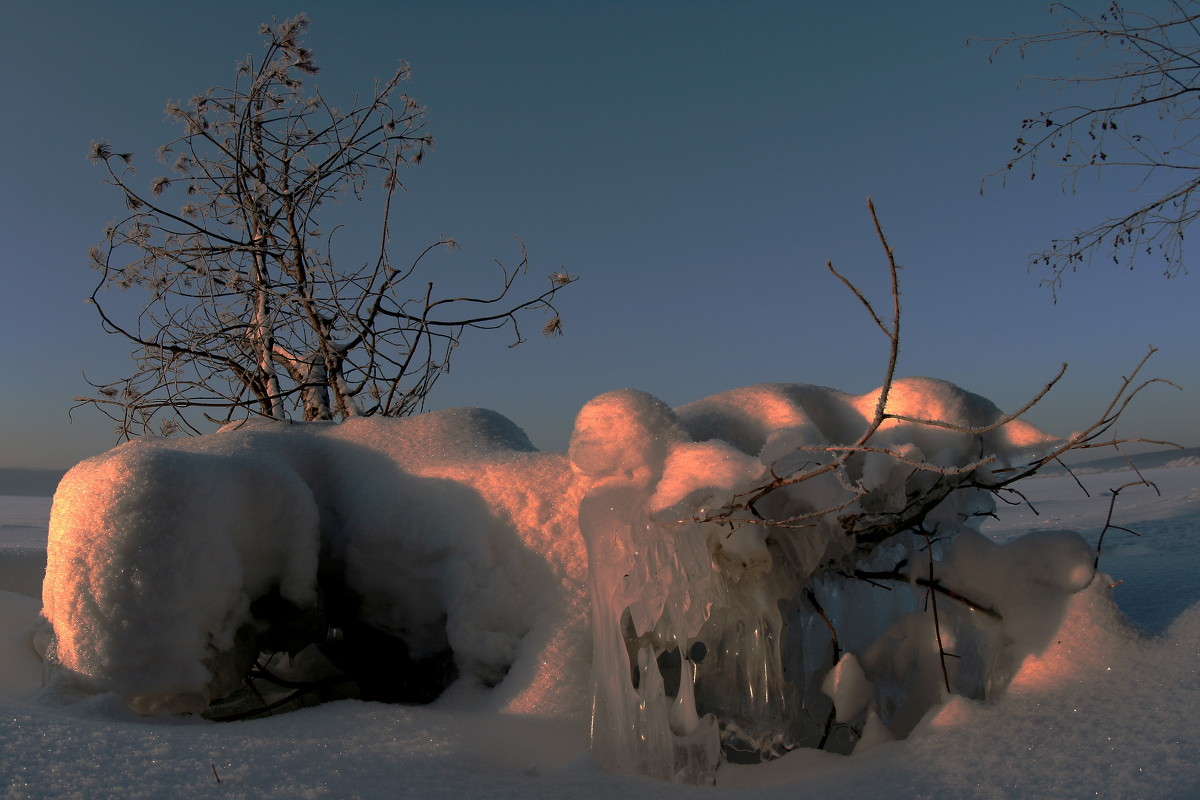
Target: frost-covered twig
x: 1093, y: 436
x: 842, y: 463
x: 1142, y: 124
x: 836, y: 465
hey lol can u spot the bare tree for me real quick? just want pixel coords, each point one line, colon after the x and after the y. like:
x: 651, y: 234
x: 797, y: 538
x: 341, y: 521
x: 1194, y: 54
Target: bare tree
x: 1137, y: 113
x: 247, y: 312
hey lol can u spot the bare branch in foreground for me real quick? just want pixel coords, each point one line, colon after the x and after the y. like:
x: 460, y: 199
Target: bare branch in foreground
x: 744, y: 508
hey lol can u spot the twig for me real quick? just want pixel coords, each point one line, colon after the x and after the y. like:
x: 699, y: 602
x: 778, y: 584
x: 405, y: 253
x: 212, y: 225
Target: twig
x: 1108, y: 523
x: 1071, y: 472
x: 831, y: 718
x: 937, y: 586
x: 937, y: 624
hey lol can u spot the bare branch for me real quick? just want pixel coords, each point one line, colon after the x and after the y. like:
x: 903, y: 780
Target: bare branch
x: 929, y: 484
x: 1148, y: 63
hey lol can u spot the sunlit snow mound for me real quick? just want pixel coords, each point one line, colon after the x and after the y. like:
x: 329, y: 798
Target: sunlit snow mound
x: 730, y: 638
x: 413, y: 552
x: 443, y: 550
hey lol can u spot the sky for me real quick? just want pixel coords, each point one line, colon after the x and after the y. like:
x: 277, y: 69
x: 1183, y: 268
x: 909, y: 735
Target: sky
x: 695, y: 163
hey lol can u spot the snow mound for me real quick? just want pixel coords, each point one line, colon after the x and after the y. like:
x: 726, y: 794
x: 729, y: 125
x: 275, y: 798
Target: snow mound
x: 443, y: 550
x: 713, y: 635
x: 172, y: 562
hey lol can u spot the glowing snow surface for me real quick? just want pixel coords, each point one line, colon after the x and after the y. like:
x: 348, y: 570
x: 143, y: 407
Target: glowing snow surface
x: 1093, y: 706
x: 445, y: 531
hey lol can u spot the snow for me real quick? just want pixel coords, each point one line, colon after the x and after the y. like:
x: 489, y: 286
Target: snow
x: 1088, y: 688
x: 761, y: 602
x: 152, y: 582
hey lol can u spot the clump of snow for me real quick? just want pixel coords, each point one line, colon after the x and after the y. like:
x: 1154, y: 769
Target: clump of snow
x: 444, y: 531
x: 848, y: 687
x: 157, y: 549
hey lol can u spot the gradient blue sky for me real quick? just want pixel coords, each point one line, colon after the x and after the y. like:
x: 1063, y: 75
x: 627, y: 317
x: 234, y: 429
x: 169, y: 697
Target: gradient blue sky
x: 695, y: 162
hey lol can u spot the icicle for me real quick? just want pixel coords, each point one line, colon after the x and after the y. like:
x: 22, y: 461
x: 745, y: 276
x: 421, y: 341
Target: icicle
x: 684, y: 718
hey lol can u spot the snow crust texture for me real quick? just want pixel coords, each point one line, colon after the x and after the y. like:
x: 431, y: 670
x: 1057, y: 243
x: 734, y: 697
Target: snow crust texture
x: 603, y: 581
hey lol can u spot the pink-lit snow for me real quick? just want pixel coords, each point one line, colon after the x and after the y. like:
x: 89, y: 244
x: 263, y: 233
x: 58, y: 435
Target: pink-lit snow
x: 1097, y: 705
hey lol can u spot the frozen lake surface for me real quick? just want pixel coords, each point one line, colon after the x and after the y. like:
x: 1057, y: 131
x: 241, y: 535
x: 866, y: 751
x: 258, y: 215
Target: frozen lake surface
x: 23, y: 521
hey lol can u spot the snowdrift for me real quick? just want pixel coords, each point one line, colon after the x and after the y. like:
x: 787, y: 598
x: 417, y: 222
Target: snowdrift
x: 171, y: 561
x: 442, y: 551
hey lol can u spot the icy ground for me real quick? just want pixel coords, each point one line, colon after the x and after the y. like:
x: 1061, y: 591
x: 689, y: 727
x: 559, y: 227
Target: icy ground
x: 1105, y: 712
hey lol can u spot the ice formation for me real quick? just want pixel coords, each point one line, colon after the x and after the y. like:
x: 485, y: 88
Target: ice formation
x: 443, y: 549
x: 716, y: 638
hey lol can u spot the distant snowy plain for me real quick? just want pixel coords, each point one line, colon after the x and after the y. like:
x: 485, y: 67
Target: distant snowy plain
x: 1119, y: 721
